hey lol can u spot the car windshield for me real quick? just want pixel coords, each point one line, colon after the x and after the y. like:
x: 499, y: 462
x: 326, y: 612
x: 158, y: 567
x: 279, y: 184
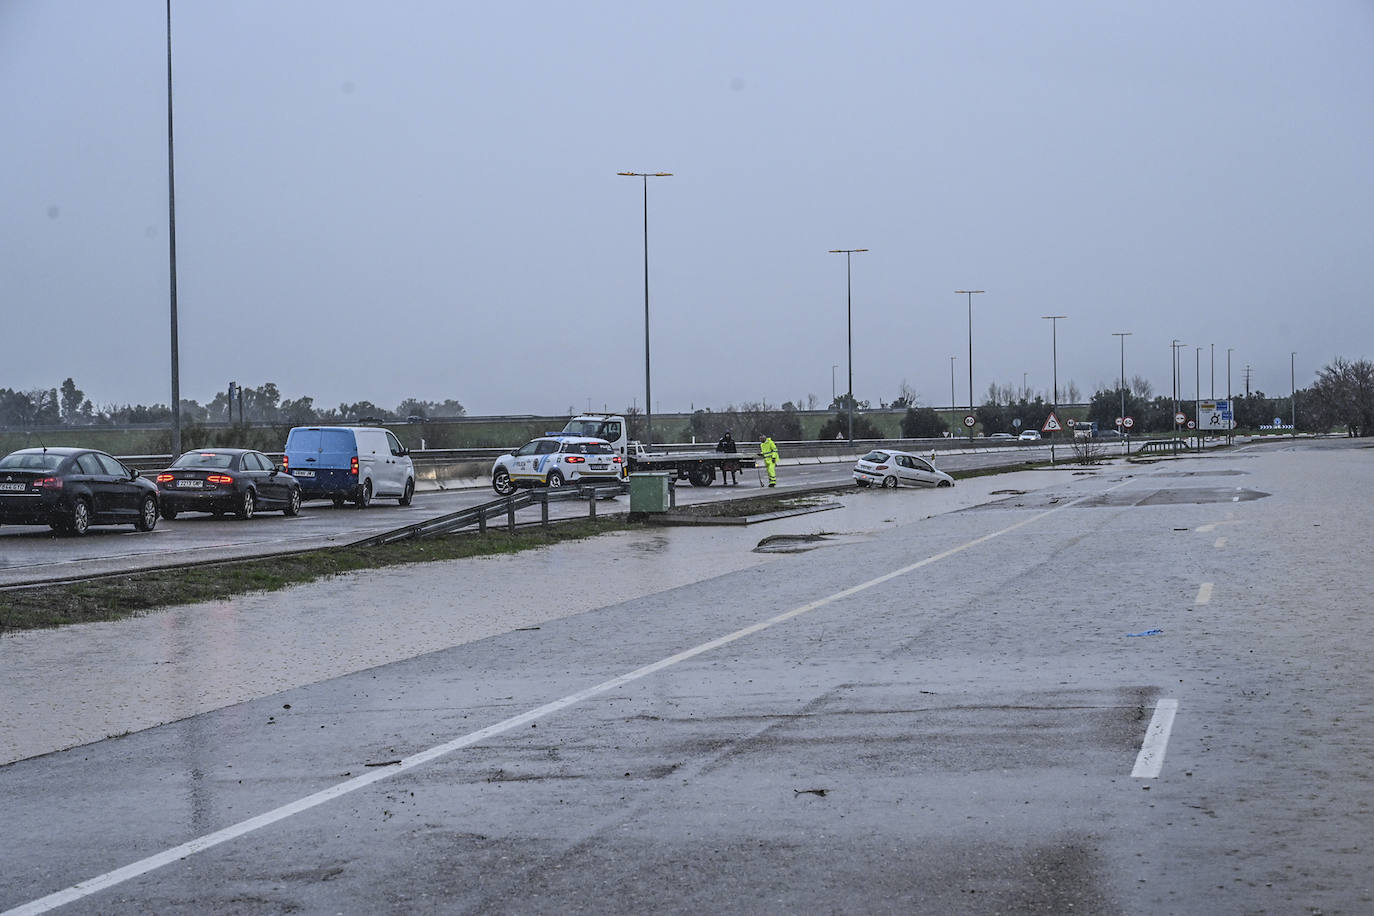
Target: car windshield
x: 31, y: 461
x: 582, y: 428
x: 204, y: 460
x: 875, y: 457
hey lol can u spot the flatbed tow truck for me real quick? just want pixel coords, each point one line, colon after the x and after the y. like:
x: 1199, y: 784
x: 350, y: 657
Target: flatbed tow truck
x: 698, y: 467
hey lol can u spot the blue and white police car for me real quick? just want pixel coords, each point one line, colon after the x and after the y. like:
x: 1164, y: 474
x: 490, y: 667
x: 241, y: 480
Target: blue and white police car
x: 552, y: 461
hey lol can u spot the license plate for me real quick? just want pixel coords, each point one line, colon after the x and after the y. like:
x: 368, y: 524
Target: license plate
x: 191, y: 484
x: 14, y: 487
x: 302, y: 473
x: 596, y: 467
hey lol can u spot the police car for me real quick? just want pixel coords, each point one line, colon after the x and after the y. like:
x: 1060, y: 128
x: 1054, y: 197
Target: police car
x: 552, y: 461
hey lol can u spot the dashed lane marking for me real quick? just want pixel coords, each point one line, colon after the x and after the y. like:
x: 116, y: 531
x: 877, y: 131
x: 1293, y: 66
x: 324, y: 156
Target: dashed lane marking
x: 1150, y: 761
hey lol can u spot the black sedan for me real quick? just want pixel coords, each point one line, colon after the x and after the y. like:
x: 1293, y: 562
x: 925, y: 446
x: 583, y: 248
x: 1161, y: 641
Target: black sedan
x: 71, y: 489
x: 220, y: 480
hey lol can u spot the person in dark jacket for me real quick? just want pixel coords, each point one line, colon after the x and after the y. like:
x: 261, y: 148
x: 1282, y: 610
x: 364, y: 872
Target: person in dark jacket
x: 728, y: 469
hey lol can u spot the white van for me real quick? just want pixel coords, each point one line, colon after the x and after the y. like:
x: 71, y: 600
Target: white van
x: 344, y: 463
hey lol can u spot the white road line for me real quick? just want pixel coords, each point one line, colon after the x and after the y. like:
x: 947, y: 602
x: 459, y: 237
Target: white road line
x: 200, y: 844
x: 1150, y: 761
x: 1220, y: 543
x: 1204, y: 593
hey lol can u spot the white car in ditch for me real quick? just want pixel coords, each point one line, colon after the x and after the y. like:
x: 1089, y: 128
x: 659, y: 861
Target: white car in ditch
x: 887, y: 468
x: 552, y: 461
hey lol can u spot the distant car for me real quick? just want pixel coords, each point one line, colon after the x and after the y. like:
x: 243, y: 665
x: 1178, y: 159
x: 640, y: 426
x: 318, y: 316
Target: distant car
x: 1001, y: 436
x: 220, y: 480
x: 551, y: 461
x: 889, y: 468
x: 1108, y: 434
x: 70, y: 489
x: 1030, y: 435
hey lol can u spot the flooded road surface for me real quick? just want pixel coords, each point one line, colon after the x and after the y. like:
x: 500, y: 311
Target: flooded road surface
x: 83, y: 683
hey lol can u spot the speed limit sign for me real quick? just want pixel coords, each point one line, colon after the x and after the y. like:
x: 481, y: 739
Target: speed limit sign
x: 1128, y: 422
x: 1180, y: 418
x: 970, y: 420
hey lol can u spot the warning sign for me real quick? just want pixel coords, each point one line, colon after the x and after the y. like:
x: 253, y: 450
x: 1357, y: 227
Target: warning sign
x: 1051, y: 424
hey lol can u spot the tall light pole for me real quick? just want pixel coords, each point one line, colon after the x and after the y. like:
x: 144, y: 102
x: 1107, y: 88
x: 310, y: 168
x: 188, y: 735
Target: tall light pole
x: 1173, y: 352
x: 1230, y: 402
x: 1197, y: 394
x: 1293, y: 391
x: 849, y: 309
x: 1054, y: 350
x: 648, y: 403
x: 969, y: 293
x: 1213, y: 371
x: 1122, y: 335
x: 833, y: 367
x: 172, y: 249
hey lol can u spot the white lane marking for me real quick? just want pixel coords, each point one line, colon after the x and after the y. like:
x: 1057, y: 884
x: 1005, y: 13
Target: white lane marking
x: 200, y: 844
x: 1220, y: 543
x: 1204, y: 593
x: 1150, y: 761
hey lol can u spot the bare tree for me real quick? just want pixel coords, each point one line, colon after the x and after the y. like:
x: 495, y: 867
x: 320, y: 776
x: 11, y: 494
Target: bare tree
x: 1141, y: 387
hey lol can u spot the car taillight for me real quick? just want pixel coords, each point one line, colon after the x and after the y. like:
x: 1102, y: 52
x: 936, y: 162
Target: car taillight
x: 219, y: 478
x: 353, y: 466
x: 165, y: 478
x: 285, y: 465
x: 574, y: 459
x: 616, y: 459
x: 48, y: 483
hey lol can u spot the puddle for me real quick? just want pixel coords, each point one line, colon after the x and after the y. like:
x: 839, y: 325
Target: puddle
x: 1199, y: 473
x: 800, y: 543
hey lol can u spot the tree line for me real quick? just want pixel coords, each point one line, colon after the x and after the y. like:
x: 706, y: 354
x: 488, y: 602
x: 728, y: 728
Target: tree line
x: 69, y: 406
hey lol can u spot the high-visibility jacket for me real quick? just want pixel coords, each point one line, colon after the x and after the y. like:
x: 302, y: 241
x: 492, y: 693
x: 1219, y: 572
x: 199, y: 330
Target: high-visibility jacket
x: 768, y: 449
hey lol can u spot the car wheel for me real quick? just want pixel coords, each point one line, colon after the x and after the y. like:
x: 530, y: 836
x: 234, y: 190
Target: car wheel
x: 364, y: 497
x: 80, y: 520
x: 169, y: 514
x: 861, y: 484
x: 890, y: 482
x: 147, y: 514
x: 555, y: 480
x: 246, y: 505
x: 501, y: 482
x: 337, y: 500
x: 945, y: 483
x: 293, y: 503
x: 409, y: 493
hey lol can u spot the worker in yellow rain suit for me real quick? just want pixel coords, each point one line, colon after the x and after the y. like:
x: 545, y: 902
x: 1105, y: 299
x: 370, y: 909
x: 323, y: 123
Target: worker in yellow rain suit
x: 768, y: 451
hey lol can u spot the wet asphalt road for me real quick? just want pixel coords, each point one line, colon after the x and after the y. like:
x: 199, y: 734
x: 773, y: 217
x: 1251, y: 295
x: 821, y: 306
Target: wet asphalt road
x: 31, y: 553
x: 941, y: 715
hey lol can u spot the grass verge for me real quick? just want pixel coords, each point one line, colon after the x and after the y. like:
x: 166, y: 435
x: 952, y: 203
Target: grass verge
x: 118, y: 597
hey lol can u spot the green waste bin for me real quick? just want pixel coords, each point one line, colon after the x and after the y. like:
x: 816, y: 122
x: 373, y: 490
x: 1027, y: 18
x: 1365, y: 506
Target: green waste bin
x: 649, y: 491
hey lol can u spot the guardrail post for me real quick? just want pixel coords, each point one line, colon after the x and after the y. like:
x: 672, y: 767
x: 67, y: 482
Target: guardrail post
x: 481, y: 522
x: 510, y: 513
x: 544, y: 509
x: 591, y: 503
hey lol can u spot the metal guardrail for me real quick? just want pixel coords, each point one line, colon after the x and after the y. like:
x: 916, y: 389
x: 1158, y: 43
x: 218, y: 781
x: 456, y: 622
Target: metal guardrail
x: 1162, y: 447
x: 480, y: 515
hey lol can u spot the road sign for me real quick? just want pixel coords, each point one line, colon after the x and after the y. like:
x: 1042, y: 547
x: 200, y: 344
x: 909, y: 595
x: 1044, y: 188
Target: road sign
x: 1191, y: 424
x: 1071, y: 422
x: 970, y: 420
x: 1119, y: 421
x: 1016, y: 422
x: 1051, y: 424
x: 1128, y: 422
x: 1180, y: 418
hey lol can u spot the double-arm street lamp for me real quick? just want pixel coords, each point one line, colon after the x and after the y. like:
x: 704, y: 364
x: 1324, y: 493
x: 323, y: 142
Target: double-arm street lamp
x: 849, y: 306
x: 172, y: 250
x: 648, y: 401
x: 969, y: 293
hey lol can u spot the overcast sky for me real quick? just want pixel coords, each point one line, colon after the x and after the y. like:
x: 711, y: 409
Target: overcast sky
x: 419, y: 199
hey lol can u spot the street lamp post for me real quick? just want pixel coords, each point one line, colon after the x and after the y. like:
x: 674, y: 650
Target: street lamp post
x: 849, y: 310
x: 833, y: 367
x: 172, y: 250
x: 648, y: 403
x: 953, y: 408
x: 1124, y: 432
x: 1054, y: 366
x: 1197, y: 394
x: 969, y: 293
x: 1293, y: 391
x: 1230, y: 402
x: 1173, y: 352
